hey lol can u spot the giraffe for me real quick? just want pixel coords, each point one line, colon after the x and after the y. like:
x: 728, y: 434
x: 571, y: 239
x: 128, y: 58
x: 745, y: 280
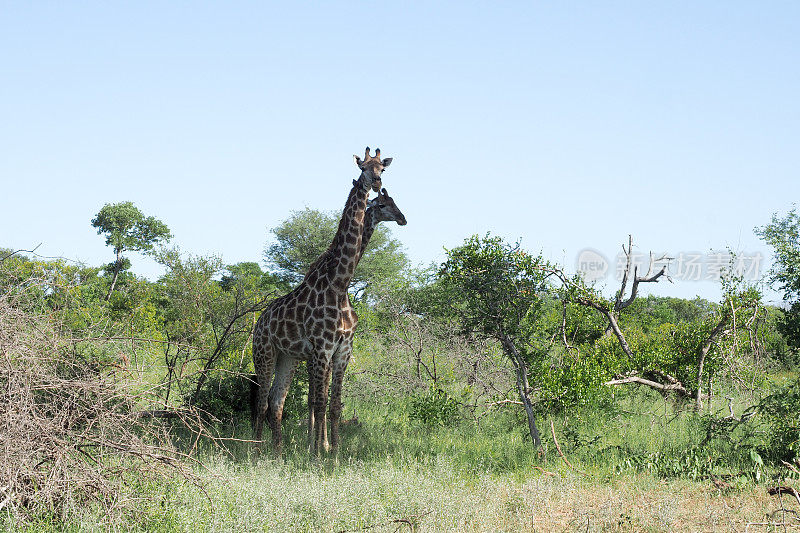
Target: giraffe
x: 314, y: 322
x: 382, y: 208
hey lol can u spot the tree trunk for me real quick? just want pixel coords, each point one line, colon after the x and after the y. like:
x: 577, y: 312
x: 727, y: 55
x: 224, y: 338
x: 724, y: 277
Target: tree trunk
x: 522, y: 386
x: 117, y: 267
x: 704, y: 349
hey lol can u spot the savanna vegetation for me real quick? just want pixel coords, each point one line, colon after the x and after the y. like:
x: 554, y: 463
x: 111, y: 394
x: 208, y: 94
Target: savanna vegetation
x: 494, y: 391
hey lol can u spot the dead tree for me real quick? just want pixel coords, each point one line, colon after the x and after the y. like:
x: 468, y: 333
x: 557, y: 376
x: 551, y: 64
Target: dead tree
x: 611, y: 310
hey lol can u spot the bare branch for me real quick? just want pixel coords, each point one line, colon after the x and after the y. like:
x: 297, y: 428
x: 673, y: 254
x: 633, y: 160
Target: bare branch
x: 20, y: 251
x: 673, y: 386
x: 650, y: 277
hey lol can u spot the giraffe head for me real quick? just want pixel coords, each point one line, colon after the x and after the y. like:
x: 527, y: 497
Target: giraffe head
x: 385, y: 210
x: 372, y: 168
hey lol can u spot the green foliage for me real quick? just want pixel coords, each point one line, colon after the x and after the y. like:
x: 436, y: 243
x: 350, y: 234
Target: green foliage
x: 789, y: 327
x: 226, y: 396
x: 782, y: 411
x: 300, y: 240
x: 495, y: 289
x: 783, y: 234
x: 694, y: 463
x: 126, y: 228
x: 583, y: 326
x: 304, y: 236
x: 208, y: 312
x: 434, y: 408
x: 650, y: 312
x: 574, y: 382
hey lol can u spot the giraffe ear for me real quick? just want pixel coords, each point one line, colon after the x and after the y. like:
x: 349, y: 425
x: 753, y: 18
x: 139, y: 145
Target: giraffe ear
x: 372, y: 203
x: 358, y: 161
x: 386, y: 162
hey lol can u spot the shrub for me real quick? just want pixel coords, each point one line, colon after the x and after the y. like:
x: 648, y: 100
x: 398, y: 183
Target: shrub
x: 435, y: 408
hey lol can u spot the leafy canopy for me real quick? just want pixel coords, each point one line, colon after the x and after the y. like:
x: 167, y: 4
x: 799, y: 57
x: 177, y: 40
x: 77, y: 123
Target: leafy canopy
x: 495, y: 288
x: 126, y: 228
x: 306, y: 234
x: 783, y: 234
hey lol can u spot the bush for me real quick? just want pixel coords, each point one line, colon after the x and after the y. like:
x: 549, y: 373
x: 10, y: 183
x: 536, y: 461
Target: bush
x: 435, y: 408
x: 782, y: 411
x: 72, y: 430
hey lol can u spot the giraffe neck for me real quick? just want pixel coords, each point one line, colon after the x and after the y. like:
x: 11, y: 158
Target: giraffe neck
x: 335, y: 268
x: 370, y: 223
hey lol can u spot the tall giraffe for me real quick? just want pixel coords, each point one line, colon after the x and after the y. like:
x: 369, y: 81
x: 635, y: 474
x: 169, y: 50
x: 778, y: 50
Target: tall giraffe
x: 382, y: 208
x: 314, y: 322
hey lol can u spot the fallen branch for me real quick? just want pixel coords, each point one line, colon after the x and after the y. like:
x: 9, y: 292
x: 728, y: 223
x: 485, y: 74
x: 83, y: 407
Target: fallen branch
x: 545, y: 472
x: 553, y: 430
x: 790, y: 467
x: 676, y: 386
x: 776, y: 491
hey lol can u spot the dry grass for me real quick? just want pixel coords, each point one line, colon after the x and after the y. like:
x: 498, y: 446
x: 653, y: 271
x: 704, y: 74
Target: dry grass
x: 438, y: 497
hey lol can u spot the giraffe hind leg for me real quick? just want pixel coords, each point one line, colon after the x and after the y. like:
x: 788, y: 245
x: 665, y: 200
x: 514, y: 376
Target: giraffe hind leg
x: 318, y: 376
x: 264, y: 363
x: 339, y: 365
x: 284, y: 372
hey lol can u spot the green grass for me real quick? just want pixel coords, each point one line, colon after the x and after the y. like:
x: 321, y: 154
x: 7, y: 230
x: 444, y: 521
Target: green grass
x: 434, y: 495
x: 640, y: 467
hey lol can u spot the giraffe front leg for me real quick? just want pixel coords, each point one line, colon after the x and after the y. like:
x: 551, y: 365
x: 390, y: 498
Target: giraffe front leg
x: 325, y: 444
x: 318, y: 393
x: 339, y: 365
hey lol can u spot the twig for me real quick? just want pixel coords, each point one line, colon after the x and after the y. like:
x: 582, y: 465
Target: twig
x: 553, y: 430
x: 545, y: 472
x: 790, y: 467
x: 16, y: 252
x: 410, y: 522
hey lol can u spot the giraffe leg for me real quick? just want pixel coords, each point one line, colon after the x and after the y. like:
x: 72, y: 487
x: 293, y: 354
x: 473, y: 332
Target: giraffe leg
x: 264, y: 363
x: 310, y: 411
x: 325, y: 445
x: 318, y: 393
x: 311, y: 400
x: 338, y: 365
x: 284, y: 372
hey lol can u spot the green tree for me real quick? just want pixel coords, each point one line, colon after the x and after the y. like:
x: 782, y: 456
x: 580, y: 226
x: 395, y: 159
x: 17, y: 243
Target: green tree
x: 497, y: 292
x: 783, y: 234
x: 208, y: 311
x: 306, y: 234
x: 127, y: 229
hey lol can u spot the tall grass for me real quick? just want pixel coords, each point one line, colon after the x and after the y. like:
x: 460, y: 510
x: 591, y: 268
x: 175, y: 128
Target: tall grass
x: 433, y: 495
x: 642, y: 466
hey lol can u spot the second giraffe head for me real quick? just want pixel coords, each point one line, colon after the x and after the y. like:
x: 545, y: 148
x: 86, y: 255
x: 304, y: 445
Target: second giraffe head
x: 383, y: 209
x: 372, y: 168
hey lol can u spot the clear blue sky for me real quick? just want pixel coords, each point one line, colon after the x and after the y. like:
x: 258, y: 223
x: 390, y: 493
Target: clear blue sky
x: 569, y: 125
